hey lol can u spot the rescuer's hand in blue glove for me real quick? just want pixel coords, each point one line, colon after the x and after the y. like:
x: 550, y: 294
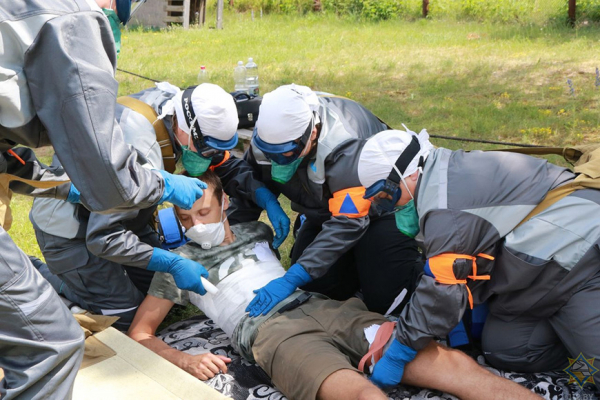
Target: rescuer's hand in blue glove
x: 186, y: 272
x: 181, y: 190
x: 74, y: 195
x: 278, y: 289
x: 389, y: 370
x: 280, y: 221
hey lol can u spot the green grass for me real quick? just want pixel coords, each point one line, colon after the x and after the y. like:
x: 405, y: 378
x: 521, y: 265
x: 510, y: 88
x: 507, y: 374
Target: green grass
x: 501, y: 82
x: 495, y: 82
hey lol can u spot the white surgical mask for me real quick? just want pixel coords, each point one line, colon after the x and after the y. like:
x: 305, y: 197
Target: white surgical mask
x: 208, y: 235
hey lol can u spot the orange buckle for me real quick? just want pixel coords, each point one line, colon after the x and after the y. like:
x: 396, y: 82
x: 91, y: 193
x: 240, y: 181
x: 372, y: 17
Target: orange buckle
x: 15, y: 155
x: 442, y: 268
x: 226, y: 157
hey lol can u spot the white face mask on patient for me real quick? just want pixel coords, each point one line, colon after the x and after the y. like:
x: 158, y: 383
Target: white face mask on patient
x: 208, y: 235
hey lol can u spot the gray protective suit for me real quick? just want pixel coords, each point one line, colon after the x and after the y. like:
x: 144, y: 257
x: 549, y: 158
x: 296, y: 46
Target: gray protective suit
x: 57, y: 87
x: 94, y: 253
x: 342, y: 229
x: 471, y: 203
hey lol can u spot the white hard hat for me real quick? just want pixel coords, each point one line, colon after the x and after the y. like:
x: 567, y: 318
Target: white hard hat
x: 285, y: 113
x: 214, y: 109
x: 381, y: 151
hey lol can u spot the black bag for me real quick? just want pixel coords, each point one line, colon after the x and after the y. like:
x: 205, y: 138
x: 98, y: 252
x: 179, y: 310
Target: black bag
x: 247, y: 106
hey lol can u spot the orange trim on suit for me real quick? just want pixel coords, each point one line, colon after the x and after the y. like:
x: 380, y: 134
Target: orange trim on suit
x: 349, y: 203
x: 441, y: 267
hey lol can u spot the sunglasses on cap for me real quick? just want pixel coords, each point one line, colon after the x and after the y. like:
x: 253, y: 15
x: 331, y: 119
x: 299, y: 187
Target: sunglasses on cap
x: 391, y: 185
x: 275, y: 152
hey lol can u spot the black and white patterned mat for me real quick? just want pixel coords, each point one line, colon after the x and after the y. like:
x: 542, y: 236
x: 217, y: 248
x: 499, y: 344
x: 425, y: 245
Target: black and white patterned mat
x: 246, y: 381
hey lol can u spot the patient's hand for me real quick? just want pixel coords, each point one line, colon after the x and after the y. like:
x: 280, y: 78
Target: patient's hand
x: 204, y: 366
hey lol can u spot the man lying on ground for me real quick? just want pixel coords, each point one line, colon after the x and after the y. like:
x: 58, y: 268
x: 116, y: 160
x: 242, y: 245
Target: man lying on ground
x: 309, y: 345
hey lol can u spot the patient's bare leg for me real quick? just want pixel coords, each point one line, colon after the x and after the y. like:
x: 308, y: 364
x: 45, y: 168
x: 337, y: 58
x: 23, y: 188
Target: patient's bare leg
x: 452, y: 371
x: 346, y: 384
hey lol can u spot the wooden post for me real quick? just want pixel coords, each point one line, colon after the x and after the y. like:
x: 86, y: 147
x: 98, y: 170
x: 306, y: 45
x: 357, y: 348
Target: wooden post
x: 219, y: 14
x: 202, y: 13
x: 572, y: 14
x: 186, y: 14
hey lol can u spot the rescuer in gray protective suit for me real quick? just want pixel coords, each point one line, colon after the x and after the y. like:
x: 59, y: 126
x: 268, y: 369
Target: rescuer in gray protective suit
x: 57, y: 88
x: 490, y: 233
x: 99, y: 261
x: 306, y: 147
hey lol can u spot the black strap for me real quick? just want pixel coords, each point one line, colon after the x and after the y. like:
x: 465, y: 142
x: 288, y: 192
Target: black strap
x: 303, y: 298
x: 404, y: 159
x: 190, y: 116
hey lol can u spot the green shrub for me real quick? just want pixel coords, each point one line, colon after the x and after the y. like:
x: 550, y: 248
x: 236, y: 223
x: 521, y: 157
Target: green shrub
x: 505, y: 11
x: 524, y: 11
x: 343, y: 7
x: 274, y: 6
x: 374, y: 10
x: 588, y: 9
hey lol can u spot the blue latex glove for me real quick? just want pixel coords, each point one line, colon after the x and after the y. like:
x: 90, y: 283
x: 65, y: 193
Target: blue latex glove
x: 186, y: 272
x: 280, y: 221
x: 74, y: 195
x: 278, y: 289
x: 389, y: 370
x: 181, y: 190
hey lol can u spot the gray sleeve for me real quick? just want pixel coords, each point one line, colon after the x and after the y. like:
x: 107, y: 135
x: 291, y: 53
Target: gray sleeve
x: 108, y: 238
x: 163, y: 286
x: 34, y: 170
x: 338, y: 236
x: 433, y: 311
x: 435, y: 308
x: 77, y: 107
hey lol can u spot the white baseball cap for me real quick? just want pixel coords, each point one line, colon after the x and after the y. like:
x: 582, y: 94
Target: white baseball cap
x: 381, y: 151
x: 213, y: 109
x: 285, y: 113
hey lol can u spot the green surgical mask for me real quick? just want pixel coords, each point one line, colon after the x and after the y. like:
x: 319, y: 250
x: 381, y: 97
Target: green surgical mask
x: 283, y: 173
x: 407, y: 219
x: 115, y: 25
x: 193, y: 162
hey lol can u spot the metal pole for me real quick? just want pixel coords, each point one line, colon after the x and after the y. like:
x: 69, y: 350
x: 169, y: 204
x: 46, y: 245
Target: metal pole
x: 219, y: 14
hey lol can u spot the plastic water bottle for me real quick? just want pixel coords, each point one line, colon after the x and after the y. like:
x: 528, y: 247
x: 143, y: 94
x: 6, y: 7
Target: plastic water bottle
x: 252, y: 77
x: 202, y: 75
x: 239, y: 77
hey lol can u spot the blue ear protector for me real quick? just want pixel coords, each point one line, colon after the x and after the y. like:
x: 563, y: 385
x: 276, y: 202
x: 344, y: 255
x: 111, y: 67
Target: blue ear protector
x: 169, y: 228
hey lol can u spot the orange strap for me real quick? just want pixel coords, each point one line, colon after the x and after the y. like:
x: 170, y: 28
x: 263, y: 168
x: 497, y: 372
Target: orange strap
x: 441, y: 267
x: 226, y: 157
x: 15, y: 155
x: 349, y: 203
x: 376, y: 349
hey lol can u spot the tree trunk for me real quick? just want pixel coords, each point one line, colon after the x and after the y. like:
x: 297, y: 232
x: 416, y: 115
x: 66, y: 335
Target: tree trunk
x: 425, y: 8
x: 572, y: 14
